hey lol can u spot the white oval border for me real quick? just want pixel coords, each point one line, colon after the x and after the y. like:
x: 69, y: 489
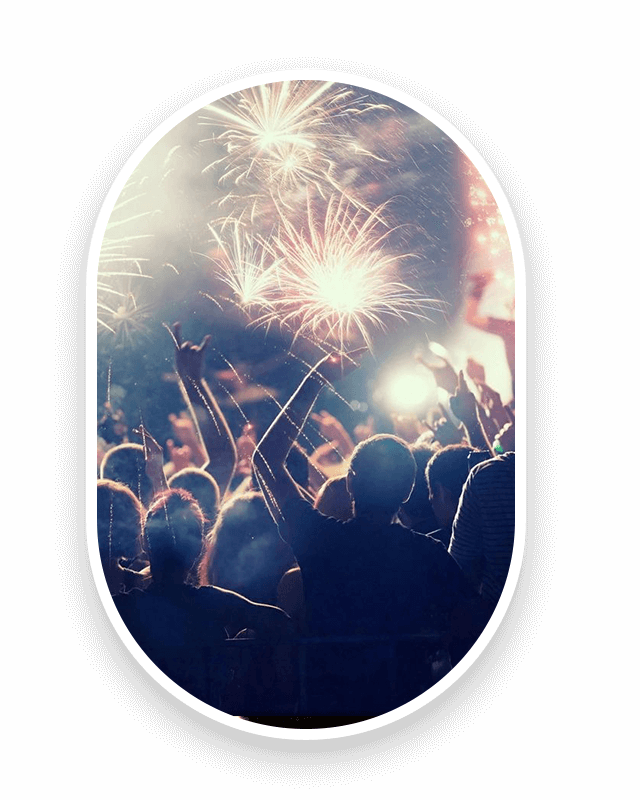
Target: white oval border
x: 91, y: 400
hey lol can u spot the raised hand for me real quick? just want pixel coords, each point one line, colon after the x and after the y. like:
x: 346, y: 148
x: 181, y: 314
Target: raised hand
x: 491, y: 401
x: 365, y: 430
x: 478, y: 283
x: 443, y: 372
x: 184, y: 429
x: 407, y: 427
x: 333, y: 430
x: 153, y: 459
x: 327, y: 454
x: 445, y: 431
x: 329, y: 426
x: 189, y: 357
x: 245, y: 446
x: 218, y: 454
x: 181, y: 456
x: 463, y: 403
x: 475, y: 371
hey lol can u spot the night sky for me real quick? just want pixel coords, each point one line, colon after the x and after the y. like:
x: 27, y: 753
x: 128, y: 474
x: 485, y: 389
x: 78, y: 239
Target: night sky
x: 372, y: 149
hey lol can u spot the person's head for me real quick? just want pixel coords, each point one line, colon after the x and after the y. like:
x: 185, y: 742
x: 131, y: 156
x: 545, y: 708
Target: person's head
x: 381, y: 474
x: 203, y: 487
x: 173, y: 532
x: 125, y: 464
x: 244, y: 551
x: 119, y: 523
x: 334, y: 500
x: 417, y: 513
x: 446, y: 474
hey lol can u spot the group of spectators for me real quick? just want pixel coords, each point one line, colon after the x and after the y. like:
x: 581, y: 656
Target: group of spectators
x: 275, y: 584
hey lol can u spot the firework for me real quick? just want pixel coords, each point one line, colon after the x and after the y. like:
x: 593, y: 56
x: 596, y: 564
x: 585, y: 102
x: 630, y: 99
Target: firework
x: 246, y: 266
x: 120, y: 266
x: 120, y: 313
x: 285, y: 134
x: 336, y: 283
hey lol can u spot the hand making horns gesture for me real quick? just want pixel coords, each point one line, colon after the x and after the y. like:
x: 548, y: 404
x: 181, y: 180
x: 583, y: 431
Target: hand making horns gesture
x: 189, y: 357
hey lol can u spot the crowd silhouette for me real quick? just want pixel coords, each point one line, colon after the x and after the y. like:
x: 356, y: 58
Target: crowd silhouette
x: 310, y: 589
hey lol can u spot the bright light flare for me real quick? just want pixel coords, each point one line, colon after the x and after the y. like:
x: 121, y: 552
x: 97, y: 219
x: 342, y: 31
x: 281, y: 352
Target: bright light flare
x: 410, y: 392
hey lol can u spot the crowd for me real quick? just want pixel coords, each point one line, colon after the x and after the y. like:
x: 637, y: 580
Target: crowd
x: 310, y: 589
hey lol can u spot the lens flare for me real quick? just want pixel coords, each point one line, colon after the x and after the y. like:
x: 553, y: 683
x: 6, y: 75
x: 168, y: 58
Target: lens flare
x: 410, y: 392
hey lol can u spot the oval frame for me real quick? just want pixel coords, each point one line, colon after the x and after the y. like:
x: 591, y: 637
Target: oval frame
x: 519, y: 276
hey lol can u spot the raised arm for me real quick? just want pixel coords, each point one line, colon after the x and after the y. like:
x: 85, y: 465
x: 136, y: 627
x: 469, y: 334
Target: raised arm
x: 465, y: 407
x: 501, y: 327
x: 153, y: 460
x: 269, y: 458
x: 217, y: 441
x: 334, y: 431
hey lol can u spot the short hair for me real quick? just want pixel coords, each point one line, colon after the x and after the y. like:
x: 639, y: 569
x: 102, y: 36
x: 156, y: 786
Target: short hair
x: 244, y: 551
x: 334, y: 500
x: 119, y: 522
x: 449, y: 467
x: 125, y: 464
x: 202, y: 486
x: 173, y: 532
x: 382, y: 472
x: 418, y: 506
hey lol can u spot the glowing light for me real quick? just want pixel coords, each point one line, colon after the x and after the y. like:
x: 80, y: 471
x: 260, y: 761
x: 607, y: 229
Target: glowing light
x: 438, y: 349
x: 410, y: 391
x: 336, y: 282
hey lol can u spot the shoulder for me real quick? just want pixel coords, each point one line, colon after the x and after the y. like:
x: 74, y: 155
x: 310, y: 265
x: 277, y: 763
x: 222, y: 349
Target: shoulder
x: 299, y: 508
x: 426, y: 541
x: 304, y: 522
x: 420, y: 546
x: 493, y: 467
x: 434, y: 551
x: 491, y: 481
x: 215, y: 597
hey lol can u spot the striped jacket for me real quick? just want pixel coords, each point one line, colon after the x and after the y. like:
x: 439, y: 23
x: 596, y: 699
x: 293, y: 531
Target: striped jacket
x: 483, y: 528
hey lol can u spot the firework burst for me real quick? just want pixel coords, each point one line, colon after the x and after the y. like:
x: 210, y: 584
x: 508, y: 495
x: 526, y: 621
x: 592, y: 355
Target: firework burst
x: 245, y: 266
x: 121, y: 315
x: 285, y: 134
x: 336, y: 283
